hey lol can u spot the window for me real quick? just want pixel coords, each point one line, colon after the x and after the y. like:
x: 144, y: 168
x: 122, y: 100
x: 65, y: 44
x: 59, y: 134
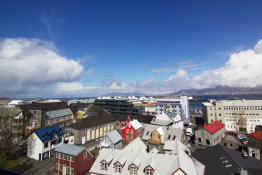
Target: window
x: 67, y: 170
x: 147, y: 133
x: 118, y: 167
x: 174, y: 137
x: 85, y: 155
x: 71, y: 159
x: 56, y: 165
x: 149, y: 171
x: 133, y: 170
x: 104, y: 165
x: 72, y: 171
x: 169, y: 136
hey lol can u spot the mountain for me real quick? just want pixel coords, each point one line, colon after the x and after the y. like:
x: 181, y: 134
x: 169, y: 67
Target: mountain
x: 220, y: 90
x: 124, y: 94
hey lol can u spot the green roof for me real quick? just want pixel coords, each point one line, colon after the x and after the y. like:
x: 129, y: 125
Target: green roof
x: 9, y: 111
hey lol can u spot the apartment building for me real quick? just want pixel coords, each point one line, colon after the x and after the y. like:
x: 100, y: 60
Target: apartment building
x: 174, y: 106
x: 237, y: 115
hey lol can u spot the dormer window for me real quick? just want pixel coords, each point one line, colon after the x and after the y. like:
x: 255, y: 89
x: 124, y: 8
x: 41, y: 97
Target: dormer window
x: 104, y: 165
x: 149, y: 170
x: 133, y: 169
x: 118, y: 167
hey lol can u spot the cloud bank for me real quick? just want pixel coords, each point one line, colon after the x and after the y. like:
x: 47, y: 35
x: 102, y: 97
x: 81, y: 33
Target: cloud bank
x: 31, y: 67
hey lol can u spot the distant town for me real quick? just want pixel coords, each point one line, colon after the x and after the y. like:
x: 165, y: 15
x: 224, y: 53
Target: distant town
x: 136, y: 135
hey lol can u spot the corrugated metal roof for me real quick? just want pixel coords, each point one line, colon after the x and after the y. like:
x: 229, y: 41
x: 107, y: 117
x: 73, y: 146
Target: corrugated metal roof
x: 70, y: 149
x: 114, y: 136
x: 46, y: 134
x: 59, y: 113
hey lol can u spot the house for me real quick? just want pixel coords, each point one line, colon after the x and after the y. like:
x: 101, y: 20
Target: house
x: 231, y: 141
x: 35, y: 114
x: 112, y: 140
x: 135, y: 159
x: 255, y: 145
x: 72, y: 160
x: 163, y: 119
x: 61, y: 117
x: 11, y: 123
x: 221, y: 160
x: 93, y: 128
x: 42, y: 142
x: 132, y: 129
x: 155, y: 134
x: 210, y: 134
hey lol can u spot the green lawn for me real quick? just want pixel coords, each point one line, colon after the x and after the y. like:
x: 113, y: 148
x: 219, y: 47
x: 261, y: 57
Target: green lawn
x: 8, y: 164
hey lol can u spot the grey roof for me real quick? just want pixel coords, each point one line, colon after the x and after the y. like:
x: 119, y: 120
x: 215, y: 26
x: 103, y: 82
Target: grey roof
x: 114, y: 136
x: 70, y: 149
x: 217, y: 157
x: 59, y: 113
x: 135, y: 153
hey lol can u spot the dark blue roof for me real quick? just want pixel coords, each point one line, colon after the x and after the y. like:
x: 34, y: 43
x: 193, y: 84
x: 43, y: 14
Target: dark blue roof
x: 46, y: 134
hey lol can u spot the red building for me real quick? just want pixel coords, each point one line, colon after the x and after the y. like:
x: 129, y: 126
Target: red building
x: 72, y: 160
x: 131, y: 130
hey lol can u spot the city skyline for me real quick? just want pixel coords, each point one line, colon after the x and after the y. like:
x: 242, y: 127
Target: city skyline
x: 85, y: 48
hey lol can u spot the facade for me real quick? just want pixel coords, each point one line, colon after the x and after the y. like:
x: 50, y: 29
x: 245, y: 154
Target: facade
x: 210, y: 134
x: 92, y: 129
x: 237, y: 115
x: 255, y: 145
x: 35, y: 114
x: 231, y: 142
x: 120, y: 107
x: 160, y: 134
x: 12, y: 121
x: 135, y: 159
x: 72, y: 160
x: 175, y: 106
x: 112, y: 140
x: 42, y: 142
x: 62, y: 117
x: 221, y: 160
x: 131, y: 130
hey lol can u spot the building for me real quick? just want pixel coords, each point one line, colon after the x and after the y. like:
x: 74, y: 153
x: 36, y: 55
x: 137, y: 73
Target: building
x: 237, y: 115
x: 72, y: 160
x: 146, y: 108
x: 119, y: 107
x: 160, y: 134
x: 135, y: 159
x: 11, y: 123
x: 174, y: 106
x: 210, y: 134
x: 93, y: 128
x: 112, y: 140
x: 35, y: 114
x: 42, y: 142
x: 231, y: 141
x: 255, y: 145
x: 61, y: 117
x: 131, y: 130
x: 221, y: 160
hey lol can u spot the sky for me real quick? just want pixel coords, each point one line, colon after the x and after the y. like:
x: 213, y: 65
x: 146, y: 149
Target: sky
x: 89, y: 48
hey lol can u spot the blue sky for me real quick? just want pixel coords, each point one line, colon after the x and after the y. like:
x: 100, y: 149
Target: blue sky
x: 130, y: 46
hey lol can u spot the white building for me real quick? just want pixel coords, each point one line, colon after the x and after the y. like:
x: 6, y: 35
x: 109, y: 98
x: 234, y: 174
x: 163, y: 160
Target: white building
x: 237, y: 115
x: 112, y: 140
x: 42, y: 142
x: 174, y: 106
x: 136, y: 159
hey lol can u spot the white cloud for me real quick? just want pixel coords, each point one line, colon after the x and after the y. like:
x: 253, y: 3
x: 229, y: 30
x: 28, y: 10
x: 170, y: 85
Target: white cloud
x: 30, y: 63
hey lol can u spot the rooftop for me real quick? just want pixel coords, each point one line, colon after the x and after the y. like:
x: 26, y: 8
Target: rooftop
x: 59, y: 113
x: 213, y: 127
x: 70, y: 149
x: 47, y: 134
x: 9, y: 111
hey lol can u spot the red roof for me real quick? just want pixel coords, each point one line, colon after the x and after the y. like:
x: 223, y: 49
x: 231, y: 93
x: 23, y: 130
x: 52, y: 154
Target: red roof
x: 257, y: 135
x: 213, y: 127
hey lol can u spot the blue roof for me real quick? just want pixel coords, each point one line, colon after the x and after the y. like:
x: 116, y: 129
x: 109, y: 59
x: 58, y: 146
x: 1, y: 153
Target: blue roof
x: 46, y: 134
